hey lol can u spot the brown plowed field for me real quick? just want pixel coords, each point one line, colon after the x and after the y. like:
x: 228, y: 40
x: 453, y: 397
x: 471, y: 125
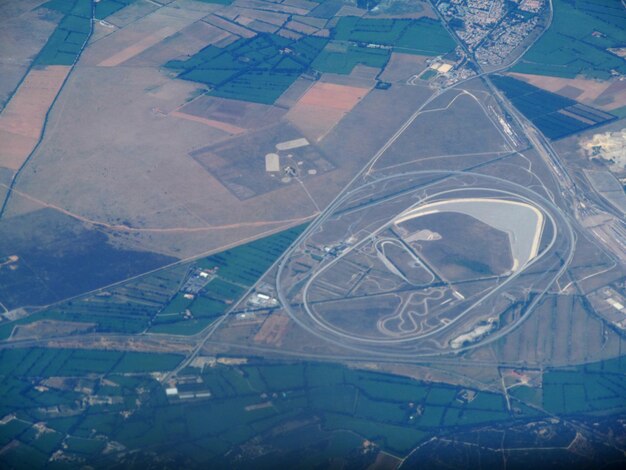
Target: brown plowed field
x: 323, y: 106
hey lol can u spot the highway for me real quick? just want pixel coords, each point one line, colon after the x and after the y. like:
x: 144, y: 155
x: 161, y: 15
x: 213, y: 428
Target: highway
x: 538, y: 141
x: 571, y: 196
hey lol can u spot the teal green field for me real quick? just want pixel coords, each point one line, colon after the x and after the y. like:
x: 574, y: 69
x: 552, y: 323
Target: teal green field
x: 577, y: 42
x: 67, y: 41
x: 130, y: 407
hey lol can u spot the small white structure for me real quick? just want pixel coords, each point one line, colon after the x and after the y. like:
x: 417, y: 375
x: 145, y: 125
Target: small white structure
x: 272, y: 162
x: 259, y: 299
x: 615, y: 304
x: 171, y: 392
x: 292, y: 144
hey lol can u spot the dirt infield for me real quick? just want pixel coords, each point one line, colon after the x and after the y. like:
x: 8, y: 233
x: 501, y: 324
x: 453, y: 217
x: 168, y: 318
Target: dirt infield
x: 605, y: 95
x: 22, y: 119
x: 323, y: 106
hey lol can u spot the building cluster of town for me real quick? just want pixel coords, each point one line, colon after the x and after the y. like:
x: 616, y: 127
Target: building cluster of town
x: 505, y: 38
x: 492, y: 28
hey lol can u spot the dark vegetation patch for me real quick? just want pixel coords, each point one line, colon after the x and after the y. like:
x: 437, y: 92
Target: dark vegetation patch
x: 60, y: 257
x: 40, y: 362
x: 281, y: 405
x: 106, y: 8
x: 555, y: 115
x: 578, y: 40
x: 538, y: 444
x: 67, y: 41
x: 422, y: 36
x: 258, y: 69
x: 341, y: 57
x: 586, y: 388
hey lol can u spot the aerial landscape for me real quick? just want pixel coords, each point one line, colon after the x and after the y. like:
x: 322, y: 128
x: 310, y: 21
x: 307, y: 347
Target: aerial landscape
x: 343, y: 234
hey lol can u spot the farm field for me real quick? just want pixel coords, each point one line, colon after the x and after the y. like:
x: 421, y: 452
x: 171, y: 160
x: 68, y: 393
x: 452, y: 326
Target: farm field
x: 154, y: 303
x: 585, y: 388
x: 341, y: 57
x: 235, y: 270
x: 606, y: 95
x: 555, y: 115
x: 70, y: 36
x: 577, y: 41
x: 243, y: 401
x: 423, y: 36
x: 312, y: 234
x: 24, y: 30
x: 22, y: 120
x: 255, y: 69
x: 105, y: 8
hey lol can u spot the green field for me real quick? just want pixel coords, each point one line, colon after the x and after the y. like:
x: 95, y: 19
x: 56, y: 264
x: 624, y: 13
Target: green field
x: 428, y: 74
x: 422, y: 36
x: 39, y: 362
x: 258, y: 69
x: 67, y: 40
x: 106, y: 8
x: 352, y: 35
x: 236, y: 269
x: 244, y: 264
x: 261, y: 68
x: 577, y: 41
x: 597, y: 387
x: 619, y: 112
x: 342, y: 57
x: 397, y: 413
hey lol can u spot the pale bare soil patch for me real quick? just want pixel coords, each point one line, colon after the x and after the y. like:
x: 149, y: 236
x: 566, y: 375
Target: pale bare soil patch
x: 606, y: 95
x: 138, y: 36
x: 24, y: 29
x: 323, y: 106
x: 222, y: 126
x: 22, y: 120
x: 401, y: 67
x: 137, y: 48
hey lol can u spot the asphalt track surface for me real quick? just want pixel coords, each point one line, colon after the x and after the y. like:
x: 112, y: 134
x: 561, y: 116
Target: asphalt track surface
x: 315, y: 326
